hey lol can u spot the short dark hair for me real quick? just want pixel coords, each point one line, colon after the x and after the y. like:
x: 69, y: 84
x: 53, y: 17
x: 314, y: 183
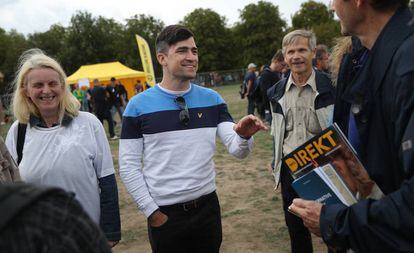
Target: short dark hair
x: 171, y: 35
x: 278, y: 56
x: 382, y: 5
x: 320, y: 51
x: 113, y: 79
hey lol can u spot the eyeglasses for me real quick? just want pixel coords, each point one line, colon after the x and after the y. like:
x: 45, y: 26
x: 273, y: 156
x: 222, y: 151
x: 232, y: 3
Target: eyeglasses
x: 184, y: 115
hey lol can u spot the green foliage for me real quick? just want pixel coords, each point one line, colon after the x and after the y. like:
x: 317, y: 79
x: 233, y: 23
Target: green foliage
x: 317, y: 17
x: 90, y: 40
x: 326, y: 32
x: 212, y: 38
x: 311, y: 13
x: 147, y: 27
x: 259, y: 33
x: 51, y: 42
x: 12, y: 44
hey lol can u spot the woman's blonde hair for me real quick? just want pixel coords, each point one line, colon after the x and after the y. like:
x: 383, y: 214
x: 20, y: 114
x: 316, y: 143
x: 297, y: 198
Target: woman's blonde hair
x: 343, y: 46
x: 22, y: 105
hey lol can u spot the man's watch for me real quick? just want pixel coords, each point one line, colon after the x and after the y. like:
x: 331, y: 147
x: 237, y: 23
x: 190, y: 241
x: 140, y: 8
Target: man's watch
x: 244, y: 138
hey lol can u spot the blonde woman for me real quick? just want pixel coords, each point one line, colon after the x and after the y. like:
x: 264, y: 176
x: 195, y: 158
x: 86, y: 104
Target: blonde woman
x: 62, y: 146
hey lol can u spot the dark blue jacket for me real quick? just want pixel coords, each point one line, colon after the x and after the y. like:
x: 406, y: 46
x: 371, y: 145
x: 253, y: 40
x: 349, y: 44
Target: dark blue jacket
x: 383, y: 90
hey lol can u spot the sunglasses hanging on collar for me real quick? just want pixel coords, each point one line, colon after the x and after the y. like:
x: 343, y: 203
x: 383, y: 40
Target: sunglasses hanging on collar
x: 184, y: 115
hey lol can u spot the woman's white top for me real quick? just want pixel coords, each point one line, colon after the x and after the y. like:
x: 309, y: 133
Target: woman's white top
x: 71, y: 157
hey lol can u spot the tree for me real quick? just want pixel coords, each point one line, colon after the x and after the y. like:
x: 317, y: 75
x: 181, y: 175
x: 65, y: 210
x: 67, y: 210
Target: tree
x: 12, y: 45
x: 90, y: 40
x: 147, y: 27
x: 311, y: 13
x: 327, y: 32
x: 212, y: 39
x: 52, y: 42
x: 259, y: 33
x: 318, y: 18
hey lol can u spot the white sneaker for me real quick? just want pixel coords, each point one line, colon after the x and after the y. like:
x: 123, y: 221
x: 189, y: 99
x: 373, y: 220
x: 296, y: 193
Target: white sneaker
x: 115, y: 137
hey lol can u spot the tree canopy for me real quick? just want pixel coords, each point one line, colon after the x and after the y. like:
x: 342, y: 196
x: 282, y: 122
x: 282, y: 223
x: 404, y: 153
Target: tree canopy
x: 317, y: 17
x: 147, y: 27
x: 12, y: 44
x: 259, y: 33
x: 89, y: 39
x: 212, y: 39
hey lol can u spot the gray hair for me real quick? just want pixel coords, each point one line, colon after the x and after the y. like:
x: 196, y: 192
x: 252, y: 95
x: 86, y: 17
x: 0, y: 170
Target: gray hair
x: 292, y: 37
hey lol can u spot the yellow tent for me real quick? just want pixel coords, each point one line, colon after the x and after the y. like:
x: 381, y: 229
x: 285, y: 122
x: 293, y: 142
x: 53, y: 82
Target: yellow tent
x: 104, y: 71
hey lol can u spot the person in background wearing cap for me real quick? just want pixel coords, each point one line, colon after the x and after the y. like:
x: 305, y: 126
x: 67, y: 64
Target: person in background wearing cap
x: 249, y: 79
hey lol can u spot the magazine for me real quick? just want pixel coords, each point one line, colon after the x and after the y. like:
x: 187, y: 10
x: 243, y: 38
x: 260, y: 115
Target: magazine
x: 324, y: 185
x: 333, y: 155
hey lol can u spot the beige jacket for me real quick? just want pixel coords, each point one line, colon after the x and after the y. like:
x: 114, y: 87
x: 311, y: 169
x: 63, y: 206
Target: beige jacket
x: 9, y: 171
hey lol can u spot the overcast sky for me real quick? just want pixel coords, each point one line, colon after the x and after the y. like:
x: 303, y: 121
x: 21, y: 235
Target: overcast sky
x: 29, y: 16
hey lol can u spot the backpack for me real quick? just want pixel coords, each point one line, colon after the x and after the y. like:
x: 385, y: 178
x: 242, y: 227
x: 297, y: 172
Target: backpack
x: 243, y: 90
x: 257, y: 94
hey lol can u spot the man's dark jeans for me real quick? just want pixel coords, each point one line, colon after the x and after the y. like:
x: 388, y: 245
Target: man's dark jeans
x: 251, y: 105
x: 300, y: 237
x: 194, y: 226
x: 108, y: 117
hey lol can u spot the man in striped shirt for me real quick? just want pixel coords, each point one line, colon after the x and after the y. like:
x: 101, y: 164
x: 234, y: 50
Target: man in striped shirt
x: 167, y: 147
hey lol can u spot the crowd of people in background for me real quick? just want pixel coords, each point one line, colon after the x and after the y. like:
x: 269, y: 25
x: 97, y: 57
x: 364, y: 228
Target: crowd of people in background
x: 106, y: 101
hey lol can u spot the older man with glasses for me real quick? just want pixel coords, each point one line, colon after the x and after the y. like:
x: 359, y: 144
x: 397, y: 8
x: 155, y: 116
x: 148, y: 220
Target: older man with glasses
x: 167, y: 147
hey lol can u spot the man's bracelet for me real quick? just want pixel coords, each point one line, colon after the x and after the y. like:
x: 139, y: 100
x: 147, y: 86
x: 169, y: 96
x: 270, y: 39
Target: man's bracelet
x: 244, y: 138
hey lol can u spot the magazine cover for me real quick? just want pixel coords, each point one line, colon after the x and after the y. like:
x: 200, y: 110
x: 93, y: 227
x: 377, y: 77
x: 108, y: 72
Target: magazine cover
x: 324, y: 185
x: 331, y: 146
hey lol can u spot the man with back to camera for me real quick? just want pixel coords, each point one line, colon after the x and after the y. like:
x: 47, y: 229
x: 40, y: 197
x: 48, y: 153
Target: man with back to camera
x: 302, y: 105
x: 375, y: 108
x: 172, y: 129
x: 270, y: 76
x: 102, y: 107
